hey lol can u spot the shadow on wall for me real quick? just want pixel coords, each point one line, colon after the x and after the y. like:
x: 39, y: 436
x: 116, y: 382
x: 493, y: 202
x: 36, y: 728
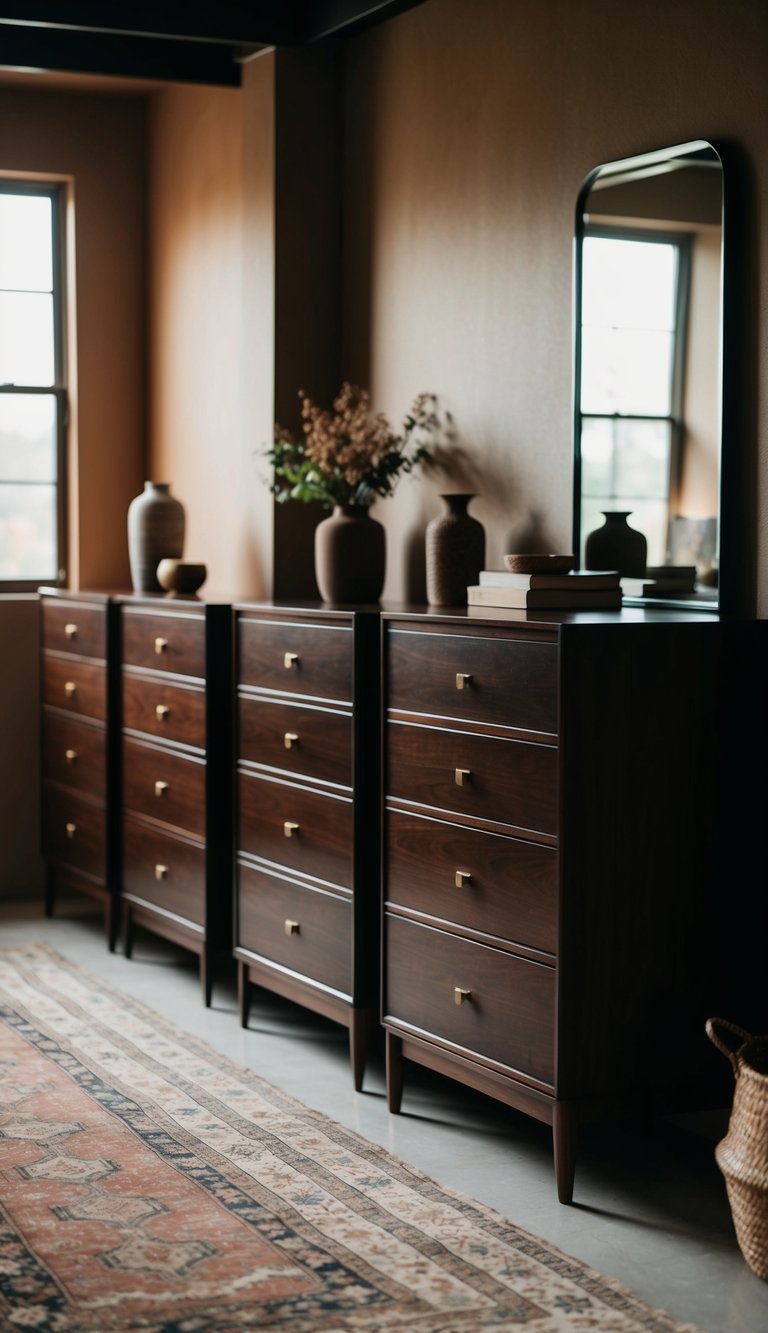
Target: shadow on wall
x: 21, y: 866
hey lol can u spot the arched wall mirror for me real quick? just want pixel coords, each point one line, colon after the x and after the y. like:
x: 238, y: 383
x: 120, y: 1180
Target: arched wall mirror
x: 649, y: 385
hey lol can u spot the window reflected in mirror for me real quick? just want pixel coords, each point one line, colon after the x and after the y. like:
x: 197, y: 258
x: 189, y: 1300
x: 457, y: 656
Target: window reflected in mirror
x: 648, y: 353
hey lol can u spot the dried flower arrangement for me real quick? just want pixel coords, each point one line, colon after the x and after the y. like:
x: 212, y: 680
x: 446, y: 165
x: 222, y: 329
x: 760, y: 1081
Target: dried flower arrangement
x: 349, y: 455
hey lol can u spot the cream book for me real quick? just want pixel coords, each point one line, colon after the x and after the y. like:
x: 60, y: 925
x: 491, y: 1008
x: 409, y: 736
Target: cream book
x: 540, y: 598
x: 573, y: 581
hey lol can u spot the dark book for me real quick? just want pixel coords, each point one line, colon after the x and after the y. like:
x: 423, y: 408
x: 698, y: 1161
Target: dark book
x: 645, y: 587
x: 666, y: 572
x: 540, y: 598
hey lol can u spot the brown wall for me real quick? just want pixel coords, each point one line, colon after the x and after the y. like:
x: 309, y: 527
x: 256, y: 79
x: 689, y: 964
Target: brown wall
x: 470, y: 129
x: 197, y: 440
x: 467, y: 133
x: 97, y: 143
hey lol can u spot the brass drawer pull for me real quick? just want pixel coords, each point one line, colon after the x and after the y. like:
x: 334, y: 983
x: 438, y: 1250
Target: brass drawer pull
x: 289, y: 828
x: 161, y: 788
x: 70, y: 631
x: 70, y: 756
x: 463, y: 680
x: 160, y: 645
x: 460, y: 995
x: 161, y: 872
x: 462, y: 878
x: 291, y: 927
x: 290, y: 660
x: 290, y: 739
x: 70, y: 688
x: 461, y: 776
x: 71, y: 830
x: 161, y: 712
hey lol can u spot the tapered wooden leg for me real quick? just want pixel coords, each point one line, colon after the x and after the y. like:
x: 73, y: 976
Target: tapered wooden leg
x: 394, y: 1061
x: 127, y: 931
x: 50, y: 891
x: 243, y: 992
x: 361, y: 1027
x: 206, y: 977
x: 111, y: 922
x: 564, y: 1135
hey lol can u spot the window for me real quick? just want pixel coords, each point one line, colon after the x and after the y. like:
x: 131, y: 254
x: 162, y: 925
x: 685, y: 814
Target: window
x: 32, y: 389
x: 633, y: 326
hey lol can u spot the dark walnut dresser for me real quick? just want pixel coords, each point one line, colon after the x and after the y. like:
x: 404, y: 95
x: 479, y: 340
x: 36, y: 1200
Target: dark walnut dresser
x: 567, y: 856
x: 176, y: 680
x: 307, y: 894
x: 79, y: 752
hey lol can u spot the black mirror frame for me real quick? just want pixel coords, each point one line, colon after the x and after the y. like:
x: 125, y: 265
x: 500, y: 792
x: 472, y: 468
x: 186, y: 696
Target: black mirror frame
x: 737, y: 489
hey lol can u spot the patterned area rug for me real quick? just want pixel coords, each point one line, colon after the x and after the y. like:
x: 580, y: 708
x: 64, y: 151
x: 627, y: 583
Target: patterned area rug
x: 147, y: 1183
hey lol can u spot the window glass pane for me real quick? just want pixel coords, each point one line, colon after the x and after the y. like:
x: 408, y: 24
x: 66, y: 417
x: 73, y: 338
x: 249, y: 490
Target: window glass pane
x: 624, y: 459
x: 28, y: 532
x: 627, y: 370
x: 642, y: 458
x: 26, y: 242
x: 26, y: 338
x: 27, y: 437
x: 629, y: 284
x: 596, y: 459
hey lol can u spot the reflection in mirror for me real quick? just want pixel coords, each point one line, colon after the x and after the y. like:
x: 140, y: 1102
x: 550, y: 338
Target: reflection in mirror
x: 648, y: 351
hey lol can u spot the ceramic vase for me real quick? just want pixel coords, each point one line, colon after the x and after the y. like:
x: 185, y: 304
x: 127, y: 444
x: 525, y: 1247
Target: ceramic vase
x: 350, y: 555
x: 156, y: 522
x: 455, y: 552
x: 616, y: 545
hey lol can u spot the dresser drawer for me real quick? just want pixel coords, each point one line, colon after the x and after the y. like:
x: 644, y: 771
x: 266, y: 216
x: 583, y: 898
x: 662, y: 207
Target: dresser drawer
x: 74, y: 753
x: 296, y: 658
x: 509, y: 782
x: 167, y: 787
x: 505, y: 682
x: 300, y: 928
x: 508, y: 1016
x: 164, y: 642
x: 69, y: 627
x: 481, y: 881
x: 80, y: 687
x: 304, y: 830
x: 165, y: 871
x: 173, y: 712
x: 74, y: 831
x: 314, y: 742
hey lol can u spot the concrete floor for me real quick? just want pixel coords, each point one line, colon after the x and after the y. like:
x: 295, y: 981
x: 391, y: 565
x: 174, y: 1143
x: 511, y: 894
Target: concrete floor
x: 650, y: 1208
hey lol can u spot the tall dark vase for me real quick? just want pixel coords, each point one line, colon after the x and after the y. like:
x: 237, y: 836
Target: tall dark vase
x: 616, y: 545
x: 455, y: 551
x: 156, y: 522
x: 350, y: 555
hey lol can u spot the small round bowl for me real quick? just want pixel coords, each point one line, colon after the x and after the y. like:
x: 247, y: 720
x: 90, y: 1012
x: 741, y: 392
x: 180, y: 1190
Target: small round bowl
x: 539, y: 564
x: 181, y: 577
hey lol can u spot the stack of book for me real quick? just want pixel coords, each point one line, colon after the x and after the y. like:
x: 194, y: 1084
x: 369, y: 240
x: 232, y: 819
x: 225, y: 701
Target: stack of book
x: 661, y: 581
x: 585, y: 589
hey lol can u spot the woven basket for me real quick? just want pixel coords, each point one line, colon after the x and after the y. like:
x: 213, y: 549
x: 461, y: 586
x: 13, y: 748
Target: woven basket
x: 743, y: 1154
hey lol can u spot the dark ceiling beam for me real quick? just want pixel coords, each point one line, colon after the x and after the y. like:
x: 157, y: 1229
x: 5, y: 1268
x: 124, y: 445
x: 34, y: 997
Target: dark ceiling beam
x: 124, y: 56
x: 183, y: 42
x: 343, y: 18
x: 259, y: 23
